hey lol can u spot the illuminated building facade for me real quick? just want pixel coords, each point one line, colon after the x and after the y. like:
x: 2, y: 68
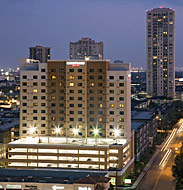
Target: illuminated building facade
x: 40, y: 53
x: 86, y: 47
x: 160, y: 52
x: 76, y: 115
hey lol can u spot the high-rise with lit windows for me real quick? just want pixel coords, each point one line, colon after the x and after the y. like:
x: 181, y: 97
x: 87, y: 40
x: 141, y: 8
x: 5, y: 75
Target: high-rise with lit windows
x: 86, y: 48
x: 160, y: 52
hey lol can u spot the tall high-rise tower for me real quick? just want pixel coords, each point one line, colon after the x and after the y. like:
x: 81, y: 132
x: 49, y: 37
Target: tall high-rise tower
x: 40, y: 53
x: 160, y: 51
x: 86, y: 47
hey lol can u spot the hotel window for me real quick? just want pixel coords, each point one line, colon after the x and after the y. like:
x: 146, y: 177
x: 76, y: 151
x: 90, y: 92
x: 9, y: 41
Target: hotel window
x: 24, y: 131
x: 71, y: 70
x: 43, y: 118
x: 111, y: 84
x: 61, y: 119
x: 100, y: 70
x: 111, y: 126
x: 43, y: 97
x: 43, y: 70
x: 91, y: 105
x: 71, y: 84
x: 80, y: 119
x: 43, y: 84
x: 61, y: 111
x: 79, y: 105
x: 100, y: 105
x: 91, y: 91
x: 111, y: 112
x: 91, y: 70
x: 111, y: 105
x: 71, y: 77
x: 80, y: 112
x: 53, y: 105
x: 43, y: 77
x: 24, y: 77
x: 71, y: 98
x: 43, y: 111
x: 53, y: 77
x: 121, y: 112
x: 121, y: 105
x: 79, y: 84
x: 91, y: 119
x: 53, y: 111
x: 121, y: 84
x: 34, y: 97
x: 100, y: 112
x: 24, y: 118
x: 24, y: 104
x: 61, y: 91
x: 99, y: 77
x: 91, y: 112
x: 71, y: 119
x: 53, y: 70
x: 79, y: 98
x: 80, y: 77
x: 80, y: 91
x: 99, y: 84
x: 35, y: 90
x: 43, y: 91
x: 24, y: 84
x: 92, y: 84
x: 61, y: 105
x: 111, y: 98
x: 43, y: 125
x: 71, y: 126
x: 100, y: 119
x: 111, y: 77
x: 121, y: 120
x: 91, y: 98
x: 80, y: 70
x: 35, y: 104
x: 61, y: 97
x: 71, y: 105
x: 34, y: 83
x: 53, y: 90
x: 35, y: 77
x: 100, y: 98
x: 111, y: 119
x: 121, y: 77
x: 60, y: 84
x: 121, y: 126
x: 43, y: 104
x: 43, y: 132
x: 99, y: 91
x: 71, y: 112
x: 121, y: 98
x: 53, y: 118
x: 34, y: 111
x: 24, y: 97
x: 61, y: 70
x: 71, y: 91
x: 91, y: 77
x: 24, y: 111
x: 24, y: 90
x: 24, y: 124
x: 34, y: 118
x: 121, y: 91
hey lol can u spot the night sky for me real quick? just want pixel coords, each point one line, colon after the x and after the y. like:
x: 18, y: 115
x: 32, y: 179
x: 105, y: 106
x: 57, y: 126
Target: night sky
x: 120, y: 24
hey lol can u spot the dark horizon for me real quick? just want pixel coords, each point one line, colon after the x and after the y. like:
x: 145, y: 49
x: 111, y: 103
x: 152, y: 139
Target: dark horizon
x: 121, y: 25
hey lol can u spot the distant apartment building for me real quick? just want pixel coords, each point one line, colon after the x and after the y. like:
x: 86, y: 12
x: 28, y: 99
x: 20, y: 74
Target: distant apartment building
x: 40, y: 53
x: 160, y: 52
x: 86, y: 48
x: 75, y: 114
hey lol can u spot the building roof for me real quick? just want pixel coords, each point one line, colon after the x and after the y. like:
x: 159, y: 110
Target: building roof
x: 137, y: 124
x: 46, y: 176
x: 93, y: 179
x: 142, y: 115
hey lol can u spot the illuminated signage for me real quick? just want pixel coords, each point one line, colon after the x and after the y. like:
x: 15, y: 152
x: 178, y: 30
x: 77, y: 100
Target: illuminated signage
x: 180, y: 79
x: 128, y: 181
x: 129, y: 76
x: 14, y: 186
x: 1, y: 186
x: 75, y: 64
x: 84, y: 188
x: 57, y: 187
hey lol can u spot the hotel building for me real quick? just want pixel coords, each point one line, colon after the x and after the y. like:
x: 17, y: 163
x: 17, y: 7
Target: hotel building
x: 160, y: 52
x: 76, y: 115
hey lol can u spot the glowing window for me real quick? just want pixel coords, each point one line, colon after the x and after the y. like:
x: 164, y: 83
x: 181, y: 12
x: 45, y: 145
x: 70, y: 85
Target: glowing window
x: 71, y: 84
x: 53, y: 77
x: 92, y: 84
x: 35, y: 90
x: 111, y: 105
x: 71, y: 77
x: 121, y: 105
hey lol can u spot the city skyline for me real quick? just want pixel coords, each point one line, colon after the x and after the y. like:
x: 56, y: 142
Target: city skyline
x: 55, y: 25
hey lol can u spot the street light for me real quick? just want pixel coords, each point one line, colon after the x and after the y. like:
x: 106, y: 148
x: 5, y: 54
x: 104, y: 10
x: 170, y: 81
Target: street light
x: 57, y: 130
x: 75, y: 131
x: 32, y: 130
x: 96, y: 132
x: 116, y: 133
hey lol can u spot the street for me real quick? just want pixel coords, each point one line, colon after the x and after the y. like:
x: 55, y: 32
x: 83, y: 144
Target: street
x: 159, y: 176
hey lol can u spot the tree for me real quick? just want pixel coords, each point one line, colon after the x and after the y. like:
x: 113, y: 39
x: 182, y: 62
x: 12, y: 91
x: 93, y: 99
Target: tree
x: 177, y: 169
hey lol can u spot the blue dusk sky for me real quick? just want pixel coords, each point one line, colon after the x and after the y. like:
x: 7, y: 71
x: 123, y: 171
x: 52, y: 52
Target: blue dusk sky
x: 120, y: 24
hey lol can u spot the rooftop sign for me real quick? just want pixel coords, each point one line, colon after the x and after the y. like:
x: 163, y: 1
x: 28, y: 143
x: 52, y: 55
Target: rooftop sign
x: 75, y: 64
